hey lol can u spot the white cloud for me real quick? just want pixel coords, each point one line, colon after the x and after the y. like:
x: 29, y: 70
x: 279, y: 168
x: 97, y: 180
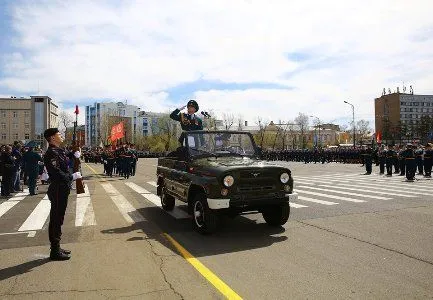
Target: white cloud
x: 137, y: 50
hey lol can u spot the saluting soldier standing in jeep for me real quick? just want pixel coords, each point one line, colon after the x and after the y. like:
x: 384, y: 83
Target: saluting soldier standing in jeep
x: 188, y: 121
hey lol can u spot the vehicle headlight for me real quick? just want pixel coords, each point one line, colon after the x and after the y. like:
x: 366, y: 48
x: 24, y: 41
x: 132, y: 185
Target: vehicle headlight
x: 228, y: 181
x: 284, y: 178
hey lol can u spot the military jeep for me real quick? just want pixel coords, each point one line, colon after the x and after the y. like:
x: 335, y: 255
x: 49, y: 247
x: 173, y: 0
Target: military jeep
x: 220, y: 173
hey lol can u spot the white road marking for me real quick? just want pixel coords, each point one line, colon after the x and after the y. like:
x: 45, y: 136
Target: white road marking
x: 38, y: 217
x: 6, y: 206
x: 152, y: 183
x: 295, y: 205
x: 176, y: 212
x: 377, y: 190
x: 345, y: 193
x: 329, y: 196
x: 316, y: 200
x: 405, y: 192
x: 84, y: 215
x: 29, y: 233
x: 129, y: 213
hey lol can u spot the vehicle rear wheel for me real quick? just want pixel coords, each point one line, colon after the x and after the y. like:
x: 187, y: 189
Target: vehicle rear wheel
x: 204, y: 219
x: 167, y: 201
x: 276, y: 215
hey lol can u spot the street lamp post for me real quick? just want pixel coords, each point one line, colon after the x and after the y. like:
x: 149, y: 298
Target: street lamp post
x: 318, y: 124
x: 353, y: 120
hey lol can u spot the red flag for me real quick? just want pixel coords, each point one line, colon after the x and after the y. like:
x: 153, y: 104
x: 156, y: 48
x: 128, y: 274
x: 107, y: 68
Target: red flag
x: 379, y: 137
x: 117, y: 132
x: 76, y: 110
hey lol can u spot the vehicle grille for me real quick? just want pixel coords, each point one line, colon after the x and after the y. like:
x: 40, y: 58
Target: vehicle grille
x: 255, y: 188
x: 249, y: 174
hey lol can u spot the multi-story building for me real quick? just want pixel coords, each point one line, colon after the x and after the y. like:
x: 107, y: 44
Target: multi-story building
x: 80, y: 135
x: 25, y: 119
x: 101, y: 116
x: 397, y: 110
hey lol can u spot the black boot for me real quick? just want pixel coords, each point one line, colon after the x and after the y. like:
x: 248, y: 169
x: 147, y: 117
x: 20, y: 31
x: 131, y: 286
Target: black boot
x: 56, y: 254
x: 68, y: 252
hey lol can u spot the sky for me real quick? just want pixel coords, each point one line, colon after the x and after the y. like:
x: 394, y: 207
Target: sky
x: 270, y: 59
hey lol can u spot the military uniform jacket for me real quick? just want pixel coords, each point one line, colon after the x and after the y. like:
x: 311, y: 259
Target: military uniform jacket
x: 56, y: 162
x: 187, y: 122
x: 30, y: 162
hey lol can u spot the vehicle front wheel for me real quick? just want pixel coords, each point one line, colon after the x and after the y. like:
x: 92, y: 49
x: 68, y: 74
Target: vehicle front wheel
x: 167, y: 201
x: 204, y: 219
x: 276, y: 215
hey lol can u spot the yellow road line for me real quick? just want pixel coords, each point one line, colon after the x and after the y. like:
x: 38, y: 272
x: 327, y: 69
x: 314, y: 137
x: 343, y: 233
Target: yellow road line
x: 204, y: 271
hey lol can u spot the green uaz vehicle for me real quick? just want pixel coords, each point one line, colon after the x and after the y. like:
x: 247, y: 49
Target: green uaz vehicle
x: 220, y: 172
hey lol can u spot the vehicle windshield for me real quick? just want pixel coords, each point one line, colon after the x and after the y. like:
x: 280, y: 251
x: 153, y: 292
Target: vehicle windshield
x: 218, y: 144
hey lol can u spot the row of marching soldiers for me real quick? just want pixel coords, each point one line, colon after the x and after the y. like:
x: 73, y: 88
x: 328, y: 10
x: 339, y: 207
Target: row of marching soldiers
x: 404, y: 161
x: 121, y: 160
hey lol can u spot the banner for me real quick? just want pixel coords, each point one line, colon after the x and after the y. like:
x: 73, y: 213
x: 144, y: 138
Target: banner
x: 117, y: 132
x: 378, y: 137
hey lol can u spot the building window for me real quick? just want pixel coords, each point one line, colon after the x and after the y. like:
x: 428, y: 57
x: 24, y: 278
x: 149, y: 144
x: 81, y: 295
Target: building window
x: 3, y: 114
x: 15, y: 125
x: 3, y: 136
x: 15, y: 136
x: 27, y: 136
x: 27, y: 125
x: 26, y: 114
x: 15, y: 114
x: 3, y: 125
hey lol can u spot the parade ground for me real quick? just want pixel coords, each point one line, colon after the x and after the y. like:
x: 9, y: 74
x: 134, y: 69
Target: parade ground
x: 348, y: 236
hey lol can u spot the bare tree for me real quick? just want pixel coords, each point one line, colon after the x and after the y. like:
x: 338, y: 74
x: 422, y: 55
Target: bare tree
x: 241, y: 122
x: 363, y: 128
x: 228, y: 120
x: 167, y: 129
x: 302, y: 121
x: 66, y: 120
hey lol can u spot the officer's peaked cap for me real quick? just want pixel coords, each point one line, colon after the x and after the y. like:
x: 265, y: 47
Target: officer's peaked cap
x: 193, y: 103
x: 50, y: 132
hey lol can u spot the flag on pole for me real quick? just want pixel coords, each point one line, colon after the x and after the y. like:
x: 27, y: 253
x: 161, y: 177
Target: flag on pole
x: 76, y: 110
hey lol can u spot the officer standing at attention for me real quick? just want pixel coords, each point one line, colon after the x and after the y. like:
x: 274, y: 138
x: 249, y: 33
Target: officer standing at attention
x: 188, y: 121
x: 368, y: 160
x: 428, y: 160
x: 31, y: 161
x: 410, y: 163
x: 57, y: 166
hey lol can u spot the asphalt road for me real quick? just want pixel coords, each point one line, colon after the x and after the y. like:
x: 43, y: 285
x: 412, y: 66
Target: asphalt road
x: 348, y: 236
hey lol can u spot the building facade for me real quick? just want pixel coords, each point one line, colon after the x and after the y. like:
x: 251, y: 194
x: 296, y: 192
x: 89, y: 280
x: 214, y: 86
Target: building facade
x: 26, y: 119
x: 100, y: 117
x: 80, y: 135
x: 397, y: 110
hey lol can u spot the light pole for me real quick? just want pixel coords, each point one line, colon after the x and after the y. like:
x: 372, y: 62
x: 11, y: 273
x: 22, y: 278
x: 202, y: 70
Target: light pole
x: 318, y: 125
x: 353, y: 120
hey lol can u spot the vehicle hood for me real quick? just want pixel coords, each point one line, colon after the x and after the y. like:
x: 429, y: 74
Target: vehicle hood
x: 216, y: 166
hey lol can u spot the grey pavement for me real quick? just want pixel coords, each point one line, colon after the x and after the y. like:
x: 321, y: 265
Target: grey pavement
x: 348, y: 236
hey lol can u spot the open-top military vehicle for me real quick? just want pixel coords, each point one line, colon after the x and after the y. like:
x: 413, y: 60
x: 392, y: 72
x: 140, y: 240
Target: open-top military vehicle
x: 220, y: 172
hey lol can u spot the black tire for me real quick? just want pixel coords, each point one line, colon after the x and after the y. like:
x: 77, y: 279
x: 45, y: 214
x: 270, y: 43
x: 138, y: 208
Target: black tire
x: 276, y: 215
x: 204, y: 219
x: 167, y: 201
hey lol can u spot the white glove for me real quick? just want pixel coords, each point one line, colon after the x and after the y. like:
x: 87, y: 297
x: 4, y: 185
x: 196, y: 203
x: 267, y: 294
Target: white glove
x: 77, y: 154
x: 180, y: 108
x: 76, y: 175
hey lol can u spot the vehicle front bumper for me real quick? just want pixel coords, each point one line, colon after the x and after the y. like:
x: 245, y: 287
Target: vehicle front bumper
x: 221, y: 203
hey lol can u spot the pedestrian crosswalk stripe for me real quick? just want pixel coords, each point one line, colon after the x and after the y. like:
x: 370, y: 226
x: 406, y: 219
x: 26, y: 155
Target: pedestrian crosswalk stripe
x: 152, y: 183
x: 405, y: 187
x: 329, y: 196
x: 345, y: 193
x: 84, y: 214
x: 403, y: 192
x: 295, y: 205
x: 377, y: 190
x: 176, y: 212
x: 11, y: 202
x: 316, y: 200
x: 38, y: 217
x: 129, y: 213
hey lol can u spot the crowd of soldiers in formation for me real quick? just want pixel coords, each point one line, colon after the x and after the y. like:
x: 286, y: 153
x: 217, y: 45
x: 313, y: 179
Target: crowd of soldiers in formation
x: 404, y: 160
x: 120, y: 160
